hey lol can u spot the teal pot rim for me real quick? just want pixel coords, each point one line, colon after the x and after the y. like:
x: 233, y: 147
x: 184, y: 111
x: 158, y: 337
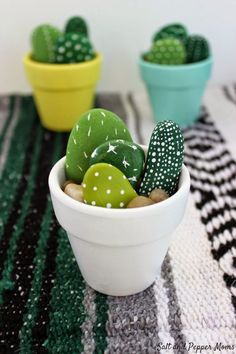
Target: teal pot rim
x: 186, y: 75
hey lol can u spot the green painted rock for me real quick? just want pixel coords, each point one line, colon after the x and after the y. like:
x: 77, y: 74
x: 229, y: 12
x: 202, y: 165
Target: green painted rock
x: 197, y: 48
x: 94, y: 128
x: 73, y: 48
x: 127, y: 157
x: 76, y: 24
x: 176, y: 30
x: 168, y: 51
x: 106, y: 186
x: 43, y: 41
x: 164, y: 159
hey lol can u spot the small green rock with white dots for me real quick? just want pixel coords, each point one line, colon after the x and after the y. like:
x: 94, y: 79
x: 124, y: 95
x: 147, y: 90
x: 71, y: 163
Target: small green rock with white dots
x: 77, y: 24
x: 93, y: 128
x: 106, y: 186
x: 126, y: 156
x: 164, y: 159
x: 197, y: 48
x: 73, y: 48
x: 167, y: 51
x: 176, y: 30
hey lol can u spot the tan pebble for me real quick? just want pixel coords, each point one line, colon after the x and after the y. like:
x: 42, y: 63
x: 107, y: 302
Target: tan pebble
x: 140, y: 201
x: 74, y: 191
x: 158, y: 195
x: 65, y: 184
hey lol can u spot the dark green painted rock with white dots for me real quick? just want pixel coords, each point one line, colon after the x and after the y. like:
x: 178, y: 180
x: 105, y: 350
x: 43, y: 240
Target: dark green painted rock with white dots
x: 94, y: 128
x: 76, y: 24
x: 127, y: 157
x: 73, y: 48
x: 106, y: 186
x: 164, y: 159
x: 174, y: 30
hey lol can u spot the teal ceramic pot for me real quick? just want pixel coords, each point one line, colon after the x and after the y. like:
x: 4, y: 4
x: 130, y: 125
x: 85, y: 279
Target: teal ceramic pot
x: 176, y: 91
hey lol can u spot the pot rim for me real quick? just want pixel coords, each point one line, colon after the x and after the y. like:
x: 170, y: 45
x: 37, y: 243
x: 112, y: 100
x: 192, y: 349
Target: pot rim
x: 68, y: 202
x: 186, y: 67
x: 28, y: 61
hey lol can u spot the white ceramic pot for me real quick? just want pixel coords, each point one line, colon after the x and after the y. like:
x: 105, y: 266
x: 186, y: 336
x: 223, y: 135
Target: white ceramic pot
x: 119, y: 251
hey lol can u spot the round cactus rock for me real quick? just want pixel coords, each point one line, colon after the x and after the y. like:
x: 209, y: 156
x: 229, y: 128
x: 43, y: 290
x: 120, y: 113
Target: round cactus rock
x: 73, y: 48
x: 168, y: 51
x: 197, y: 48
x: 106, y: 186
x: 43, y: 41
x: 176, y: 30
x: 91, y: 130
x: 127, y: 157
x: 76, y: 24
x: 164, y: 159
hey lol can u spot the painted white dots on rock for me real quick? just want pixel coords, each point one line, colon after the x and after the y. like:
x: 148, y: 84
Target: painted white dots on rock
x: 106, y: 192
x: 91, y: 134
x: 163, y: 170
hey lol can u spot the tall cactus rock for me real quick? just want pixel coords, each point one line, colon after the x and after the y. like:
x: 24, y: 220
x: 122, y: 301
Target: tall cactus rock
x: 78, y: 25
x: 168, y: 51
x: 43, y: 40
x: 164, y: 159
x: 91, y: 130
x: 174, y: 30
x: 73, y: 48
x: 197, y: 48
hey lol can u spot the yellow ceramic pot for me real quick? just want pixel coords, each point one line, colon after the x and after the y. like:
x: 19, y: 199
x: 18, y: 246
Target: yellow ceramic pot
x: 62, y: 92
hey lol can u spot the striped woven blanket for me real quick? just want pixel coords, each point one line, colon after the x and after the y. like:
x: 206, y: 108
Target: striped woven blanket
x: 46, y: 307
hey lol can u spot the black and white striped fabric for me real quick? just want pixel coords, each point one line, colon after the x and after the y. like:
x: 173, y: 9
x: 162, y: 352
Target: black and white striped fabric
x: 46, y: 307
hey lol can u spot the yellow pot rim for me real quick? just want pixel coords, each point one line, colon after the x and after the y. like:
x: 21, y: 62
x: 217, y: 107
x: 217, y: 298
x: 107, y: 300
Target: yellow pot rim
x: 29, y: 62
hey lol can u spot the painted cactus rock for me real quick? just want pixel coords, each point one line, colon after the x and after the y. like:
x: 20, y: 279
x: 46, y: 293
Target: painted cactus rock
x: 127, y: 157
x: 76, y: 24
x: 106, y: 186
x: 197, y: 48
x: 43, y: 41
x: 73, y: 48
x: 167, y: 51
x: 176, y: 30
x: 164, y: 159
x: 91, y: 130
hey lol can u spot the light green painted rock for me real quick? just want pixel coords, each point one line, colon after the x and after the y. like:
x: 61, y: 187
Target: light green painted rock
x: 43, y: 41
x: 167, y: 51
x: 106, y: 186
x: 164, y: 159
x: 127, y: 157
x: 94, y: 128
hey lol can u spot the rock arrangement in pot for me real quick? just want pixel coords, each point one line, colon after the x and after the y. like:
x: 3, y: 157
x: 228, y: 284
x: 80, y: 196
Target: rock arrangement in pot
x: 172, y: 45
x: 72, y: 45
x: 105, y: 168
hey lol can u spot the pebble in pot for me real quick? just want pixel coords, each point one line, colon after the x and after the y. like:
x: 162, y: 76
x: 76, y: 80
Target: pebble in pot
x: 140, y: 201
x: 74, y: 191
x: 158, y: 195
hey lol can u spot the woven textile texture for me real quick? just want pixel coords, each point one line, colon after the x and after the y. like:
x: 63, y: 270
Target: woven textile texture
x: 46, y: 307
